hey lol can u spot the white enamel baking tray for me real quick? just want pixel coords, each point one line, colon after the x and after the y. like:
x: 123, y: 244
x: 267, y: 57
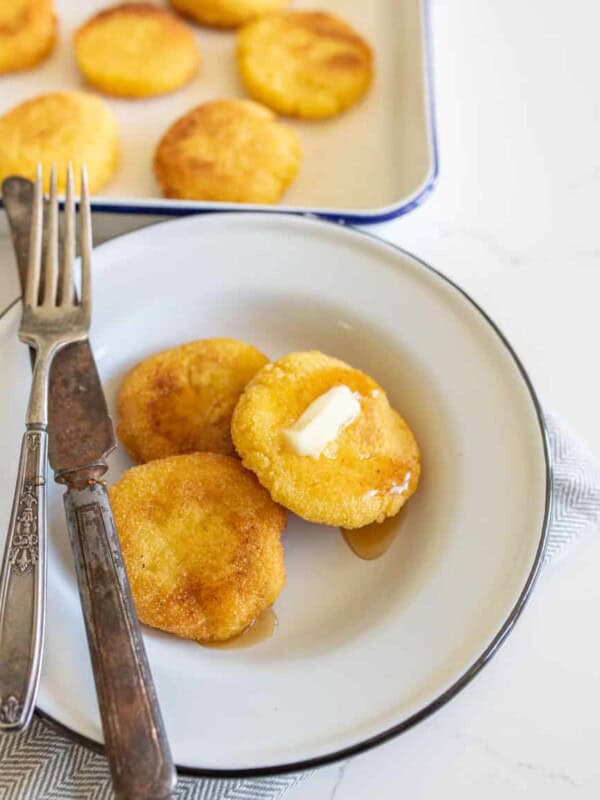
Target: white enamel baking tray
x: 375, y: 162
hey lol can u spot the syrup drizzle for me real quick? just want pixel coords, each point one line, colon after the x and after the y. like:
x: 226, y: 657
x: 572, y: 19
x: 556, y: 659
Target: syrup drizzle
x: 374, y: 540
x: 258, y: 631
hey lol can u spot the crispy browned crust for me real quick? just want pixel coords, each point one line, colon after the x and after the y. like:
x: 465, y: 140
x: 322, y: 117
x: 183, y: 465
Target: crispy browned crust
x: 227, y: 150
x: 58, y: 128
x: 164, y: 57
x: 366, y: 475
x: 225, y: 13
x: 29, y: 38
x: 202, y: 544
x: 304, y: 63
x: 181, y: 400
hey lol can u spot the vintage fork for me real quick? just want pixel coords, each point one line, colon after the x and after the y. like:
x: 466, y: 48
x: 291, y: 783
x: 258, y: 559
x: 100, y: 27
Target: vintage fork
x: 52, y: 318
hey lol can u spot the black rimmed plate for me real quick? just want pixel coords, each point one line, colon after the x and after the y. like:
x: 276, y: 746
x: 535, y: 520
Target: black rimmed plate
x: 363, y: 649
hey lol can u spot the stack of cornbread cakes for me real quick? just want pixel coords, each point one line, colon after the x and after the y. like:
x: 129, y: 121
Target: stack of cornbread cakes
x: 201, y: 517
x: 308, y: 65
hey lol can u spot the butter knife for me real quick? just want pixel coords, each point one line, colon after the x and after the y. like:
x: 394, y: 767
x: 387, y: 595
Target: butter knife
x: 80, y: 438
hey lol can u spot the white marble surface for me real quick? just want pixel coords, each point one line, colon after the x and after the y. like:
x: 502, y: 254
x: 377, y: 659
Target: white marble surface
x: 515, y: 220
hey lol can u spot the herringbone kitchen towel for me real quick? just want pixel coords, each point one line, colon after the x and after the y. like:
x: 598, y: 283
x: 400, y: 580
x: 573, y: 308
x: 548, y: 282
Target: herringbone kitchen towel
x: 576, y: 488
x: 40, y: 764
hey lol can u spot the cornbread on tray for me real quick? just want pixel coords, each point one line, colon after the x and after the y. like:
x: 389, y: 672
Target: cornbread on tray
x: 227, y: 150
x: 27, y: 33
x: 226, y: 13
x: 304, y: 63
x: 136, y: 50
x: 56, y: 128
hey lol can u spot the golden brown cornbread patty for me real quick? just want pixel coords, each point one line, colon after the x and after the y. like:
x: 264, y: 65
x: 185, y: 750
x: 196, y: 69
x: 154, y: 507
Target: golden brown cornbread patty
x: 227, y: 150
x: 225, y: 13
x: 201, y: 541
x: 304, y: 63
x: 27, y: 33
x: 56, y: 128
x: 366, y: 475
x: 181, y: 400
x: 136, y: 50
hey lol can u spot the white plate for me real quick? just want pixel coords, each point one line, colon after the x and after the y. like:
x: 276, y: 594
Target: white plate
x: 363, y: 649
x: 375, y: 161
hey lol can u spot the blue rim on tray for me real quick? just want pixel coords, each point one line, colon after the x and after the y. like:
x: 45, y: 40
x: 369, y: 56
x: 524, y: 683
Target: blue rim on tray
x: 181, y: 208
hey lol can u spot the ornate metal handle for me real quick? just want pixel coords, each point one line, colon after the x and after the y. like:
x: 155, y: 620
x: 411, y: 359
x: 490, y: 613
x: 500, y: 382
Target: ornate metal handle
x: 136, y: 743
x: 23, y: 587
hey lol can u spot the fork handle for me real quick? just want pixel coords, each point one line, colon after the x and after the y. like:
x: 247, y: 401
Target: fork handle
x: 23, y: 587
x: 136, y: 743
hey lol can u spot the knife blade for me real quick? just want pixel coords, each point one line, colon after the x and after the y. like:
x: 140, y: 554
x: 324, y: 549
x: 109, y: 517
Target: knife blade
x: 80, y: 437
x: 79, y: 428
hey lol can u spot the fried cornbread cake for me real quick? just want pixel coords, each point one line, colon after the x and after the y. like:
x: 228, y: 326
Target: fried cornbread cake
x: 227, y: 150
x: 365, y: 473
x: 27, y: 33
x: 304, y: 63
x: 181, y: 400
x: 58, y: 128
x: 136, y: 50
x: 226, y: 13
x: 201, y: 541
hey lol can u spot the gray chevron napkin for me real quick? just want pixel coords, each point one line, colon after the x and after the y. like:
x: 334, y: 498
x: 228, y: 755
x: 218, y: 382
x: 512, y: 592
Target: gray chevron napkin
x: 41, y: 764
x: 575, y: 488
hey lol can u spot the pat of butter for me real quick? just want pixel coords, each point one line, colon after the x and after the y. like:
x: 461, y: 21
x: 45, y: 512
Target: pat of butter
x: 323, y: 421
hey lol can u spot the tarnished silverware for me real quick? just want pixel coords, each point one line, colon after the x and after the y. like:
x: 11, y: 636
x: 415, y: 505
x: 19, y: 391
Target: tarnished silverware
x: 81, y: 436
x: 51, y: 320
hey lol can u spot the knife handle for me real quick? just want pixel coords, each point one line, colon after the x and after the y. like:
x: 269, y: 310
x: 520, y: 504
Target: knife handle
x: 136, y: 744
x: 23, y: 587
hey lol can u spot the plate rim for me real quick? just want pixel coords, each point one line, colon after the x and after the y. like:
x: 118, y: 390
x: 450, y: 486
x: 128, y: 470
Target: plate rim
x: 497, y: 640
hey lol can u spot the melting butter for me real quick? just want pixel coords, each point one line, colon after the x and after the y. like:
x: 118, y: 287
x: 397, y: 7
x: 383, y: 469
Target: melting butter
x: 323, y: 420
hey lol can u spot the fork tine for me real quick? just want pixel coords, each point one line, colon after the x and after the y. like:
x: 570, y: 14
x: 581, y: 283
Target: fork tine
x: 85, y: 239
x: 51, y: 256
x: 32, y: 287
x: 66, y: 285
